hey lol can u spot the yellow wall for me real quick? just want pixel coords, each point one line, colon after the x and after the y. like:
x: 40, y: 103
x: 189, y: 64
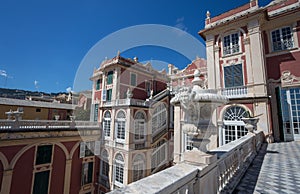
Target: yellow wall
x: 29, y: 112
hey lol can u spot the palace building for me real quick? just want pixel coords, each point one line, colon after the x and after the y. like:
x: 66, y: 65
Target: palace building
x: 131, y: 101
x: 252, y: 58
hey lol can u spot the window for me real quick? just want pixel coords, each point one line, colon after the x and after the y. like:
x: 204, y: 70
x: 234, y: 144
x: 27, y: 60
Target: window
x: 139, y: 126
x: 38, y: 110
x: 231, y: 44
x: 104, y: 164
x: 98, y: 83
x: 159, y: 118
x: 159, y: 155
x: 148, y: 88
x: 132, y: 79
x: 119, y: 169
x: 120, y: 125
x: 110, y: 77
x: 233, y: 76
x: 234, y: 127
x: 138, y: 167
x: 282, y: 39
x: 87, y: 173
x: 106, y: 124
x: 41, y: 182
x: 96, y: 112
x: 108, y: 95
x: 43, y: 154
x: 90, y: 148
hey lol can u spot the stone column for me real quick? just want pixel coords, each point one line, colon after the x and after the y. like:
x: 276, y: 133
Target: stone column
x: 177, y: 135
x: 6, y: 181
x: 68, y: 170
x: 211, y: 69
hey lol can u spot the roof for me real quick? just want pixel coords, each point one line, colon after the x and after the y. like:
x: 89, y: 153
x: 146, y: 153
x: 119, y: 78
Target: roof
x: 18, y: 102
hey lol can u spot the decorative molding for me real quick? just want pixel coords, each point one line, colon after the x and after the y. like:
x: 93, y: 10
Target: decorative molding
x: 246, y: 40
x: 288, y: 79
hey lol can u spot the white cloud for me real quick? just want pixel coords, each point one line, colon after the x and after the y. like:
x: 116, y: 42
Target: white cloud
x: 36, y: 84
x: 180, y: 24
x: 3, y: 73
x: 69, y: 89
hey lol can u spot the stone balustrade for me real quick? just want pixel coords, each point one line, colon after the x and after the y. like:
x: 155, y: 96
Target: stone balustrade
x: 221, y: 176
x: 235, y: 92
x: 126, y: 102
x: 24, y: 125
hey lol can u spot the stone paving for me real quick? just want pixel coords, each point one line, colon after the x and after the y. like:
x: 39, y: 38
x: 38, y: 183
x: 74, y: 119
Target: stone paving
x: 276, y: 169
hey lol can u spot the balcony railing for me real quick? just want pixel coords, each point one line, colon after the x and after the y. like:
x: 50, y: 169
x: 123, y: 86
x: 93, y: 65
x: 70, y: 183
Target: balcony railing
x: 126, y: 102
x: 221, y: 176
x: 235, y: 92
x: 23, y: 125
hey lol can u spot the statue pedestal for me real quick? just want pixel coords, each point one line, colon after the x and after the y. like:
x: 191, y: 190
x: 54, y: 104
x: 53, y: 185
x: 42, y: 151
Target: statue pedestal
x: 197, y: 157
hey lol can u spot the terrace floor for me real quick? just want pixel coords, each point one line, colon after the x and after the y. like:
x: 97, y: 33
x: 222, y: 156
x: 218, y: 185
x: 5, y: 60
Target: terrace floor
x: 276, y: 169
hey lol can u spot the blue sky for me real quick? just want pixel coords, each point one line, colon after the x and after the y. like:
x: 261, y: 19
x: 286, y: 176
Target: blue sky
x: 43, y: 43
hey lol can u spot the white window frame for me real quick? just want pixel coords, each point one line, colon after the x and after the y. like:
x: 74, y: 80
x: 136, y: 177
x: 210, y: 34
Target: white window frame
x: 231, y: 46
x: 120, y: 127
x: 159, y: 156
x: 138, y: 167
x: 106, y: 121
x: 135, y: 81
x: 157, y: 118
x: 139, y: 127
x: 104, y: 159
x: 119, y: 164
x: 281, y: 39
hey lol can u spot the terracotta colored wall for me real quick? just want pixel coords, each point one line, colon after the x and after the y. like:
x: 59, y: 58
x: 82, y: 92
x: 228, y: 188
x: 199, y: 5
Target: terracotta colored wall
x: 277, y: 64
x: 76, y: 173
x: 58, y: 171
x: 22, y: 174
x: 10, y: 151
x: 97, y: 95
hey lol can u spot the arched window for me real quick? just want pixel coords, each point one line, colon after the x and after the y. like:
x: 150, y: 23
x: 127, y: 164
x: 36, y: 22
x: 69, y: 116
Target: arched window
x: 104, y: 164
x: 234, y: 127
x: 138, y: 167
x: 106, y: 123
x: 139, y: 126
x: 119, y: 169
x: 120, y: 125
x: 159, y: 118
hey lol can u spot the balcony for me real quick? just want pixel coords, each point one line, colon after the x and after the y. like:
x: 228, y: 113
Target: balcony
x: 235, y: 92
x: 221, y: 176
x: 24, y: 125
x: 126, y: 102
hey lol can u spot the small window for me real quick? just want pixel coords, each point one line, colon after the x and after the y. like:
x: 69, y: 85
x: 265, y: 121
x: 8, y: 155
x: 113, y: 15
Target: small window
x: 89, y: 149
x: 43, y: 154
x: 110, y: 77
x: 38, y: 110
x: 233, y: 76
x: 98, y: 83
x: 282, y: 39
x: 106, y: 124
x: 119, y: 169
x: 108, y: 95
x: 87, y: 173
x: 133, y: 79
x: 231, y: 44
x: 96, y: 112
x: 120, y: 125
x: 41, y: 182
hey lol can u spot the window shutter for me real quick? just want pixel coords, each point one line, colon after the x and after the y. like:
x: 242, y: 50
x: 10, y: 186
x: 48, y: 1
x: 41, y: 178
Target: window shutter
x: 82, y: 150
x: 97, y: 148
x: 237, y: 75
x: 103, y: 95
